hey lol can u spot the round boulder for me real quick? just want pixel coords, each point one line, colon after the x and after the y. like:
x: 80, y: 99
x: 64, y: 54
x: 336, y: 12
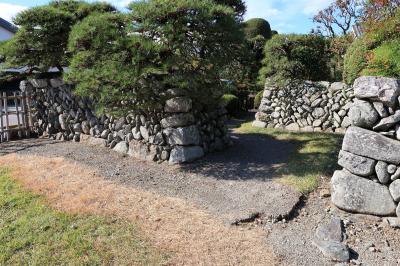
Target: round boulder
x: 363, y: 114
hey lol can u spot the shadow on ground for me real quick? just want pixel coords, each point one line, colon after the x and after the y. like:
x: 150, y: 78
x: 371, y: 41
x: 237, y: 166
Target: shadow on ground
x: 258, y: 154
x: 23, y: 144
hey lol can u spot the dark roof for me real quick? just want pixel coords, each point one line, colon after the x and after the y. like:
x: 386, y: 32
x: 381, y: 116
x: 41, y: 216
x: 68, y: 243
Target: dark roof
x: 8, y: 26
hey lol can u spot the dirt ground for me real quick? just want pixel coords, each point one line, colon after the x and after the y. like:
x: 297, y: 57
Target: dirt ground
x: 187, y: 233
x: 233, y: 185
x: 189, y: 211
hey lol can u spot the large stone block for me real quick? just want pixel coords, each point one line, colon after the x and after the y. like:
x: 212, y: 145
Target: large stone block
x: 182, y: 154
x: 338, y: 86
x: 143, y: 151
x: 178, y: 120
x: 259, y: 124
x: 363, y: 114
x: 388, y: 122
x: 356, y: 164
x: 122, y: 147
x: 370, y: 144
x: 183, y: 136
x: 357, y: 194
x: 93, y: 141
x: 293, y: 127
x: 56, y: 82
x: 385, y: 90
x: 178, y: 105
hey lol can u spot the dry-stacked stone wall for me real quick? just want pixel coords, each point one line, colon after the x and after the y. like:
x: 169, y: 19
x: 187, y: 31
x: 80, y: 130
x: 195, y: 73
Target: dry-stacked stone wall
x: 311, y: 106
x: 178, y: 134
x: 370, y: 180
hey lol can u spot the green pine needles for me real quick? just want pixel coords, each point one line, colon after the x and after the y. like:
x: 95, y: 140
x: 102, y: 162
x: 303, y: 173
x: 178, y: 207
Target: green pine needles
x: 130, y: 61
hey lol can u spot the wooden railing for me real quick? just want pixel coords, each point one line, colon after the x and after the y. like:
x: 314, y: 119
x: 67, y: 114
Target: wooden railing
x: 15, y: 115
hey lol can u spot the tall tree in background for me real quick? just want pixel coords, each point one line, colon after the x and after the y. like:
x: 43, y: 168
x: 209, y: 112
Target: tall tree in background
x: 374, y: 11
x: 337, y: 18
x: 257, y: 32
x: 41, y: 41
x: 238, y: 6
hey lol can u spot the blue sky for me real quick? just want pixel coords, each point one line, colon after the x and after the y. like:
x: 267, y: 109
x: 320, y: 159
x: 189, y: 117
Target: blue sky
x: 285, y: 16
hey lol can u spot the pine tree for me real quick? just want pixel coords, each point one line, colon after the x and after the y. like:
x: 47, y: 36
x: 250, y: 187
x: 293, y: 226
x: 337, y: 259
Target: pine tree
x: 41, y: 41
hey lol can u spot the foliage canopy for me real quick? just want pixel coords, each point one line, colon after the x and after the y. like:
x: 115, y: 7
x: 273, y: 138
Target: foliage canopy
x: 292, y: 58
x: 376, y: 52
x: 257, y: 26
x: 41, y: 41
x: 128, y: 60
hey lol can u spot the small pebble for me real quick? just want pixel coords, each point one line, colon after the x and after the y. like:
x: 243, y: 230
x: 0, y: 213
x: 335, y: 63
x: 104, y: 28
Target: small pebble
x: 391, y: 168
x: 355, y: 262
x: 324, y: 193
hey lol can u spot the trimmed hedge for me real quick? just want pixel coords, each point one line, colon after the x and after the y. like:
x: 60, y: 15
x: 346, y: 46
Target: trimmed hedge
x: 257, y: 26
x: 231, y: 103
x: 292, y: 58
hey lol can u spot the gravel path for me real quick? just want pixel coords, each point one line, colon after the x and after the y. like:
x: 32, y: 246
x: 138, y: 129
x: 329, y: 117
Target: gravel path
x: 372, y: 242
x: 235, y: 184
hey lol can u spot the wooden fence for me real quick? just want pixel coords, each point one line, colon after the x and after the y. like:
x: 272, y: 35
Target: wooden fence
x: 15, y: 116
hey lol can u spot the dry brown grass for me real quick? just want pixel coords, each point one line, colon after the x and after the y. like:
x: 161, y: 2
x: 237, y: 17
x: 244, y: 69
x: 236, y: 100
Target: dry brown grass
x: 190, y: 235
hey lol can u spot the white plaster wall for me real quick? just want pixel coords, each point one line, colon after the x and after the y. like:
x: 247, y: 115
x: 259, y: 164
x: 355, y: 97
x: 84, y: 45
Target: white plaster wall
x: 5, y: 34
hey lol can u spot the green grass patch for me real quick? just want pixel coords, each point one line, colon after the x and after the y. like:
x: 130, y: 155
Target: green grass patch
x: 32, y: 233
x: 314, y: 155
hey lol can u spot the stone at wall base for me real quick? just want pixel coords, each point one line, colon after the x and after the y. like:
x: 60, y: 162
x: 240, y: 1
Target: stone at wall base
x: 182, y: 154
x: 307, y: 129
x: 360, y: 195
x: 293, y: 127
x: 142, y: 151
x: 259, y: 124
x: 340, y: 131
x: 87, y: 139
x: 122, y: 148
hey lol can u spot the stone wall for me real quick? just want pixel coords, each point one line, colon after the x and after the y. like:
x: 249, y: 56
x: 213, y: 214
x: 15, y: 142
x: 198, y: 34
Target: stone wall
x: 370, y: 180
x: 311, y: 106
x: 178, y: 134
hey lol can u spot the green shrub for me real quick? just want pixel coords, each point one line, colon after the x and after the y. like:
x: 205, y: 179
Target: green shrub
x: 376, y: 52
x: 384, y: 60
x: 231, y: 103
x: 355, y: 60
x: 3, y: 45
x: 291, y: 58
x: 338, y: 47
x: 257, y: 26
x: 257, y: 99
